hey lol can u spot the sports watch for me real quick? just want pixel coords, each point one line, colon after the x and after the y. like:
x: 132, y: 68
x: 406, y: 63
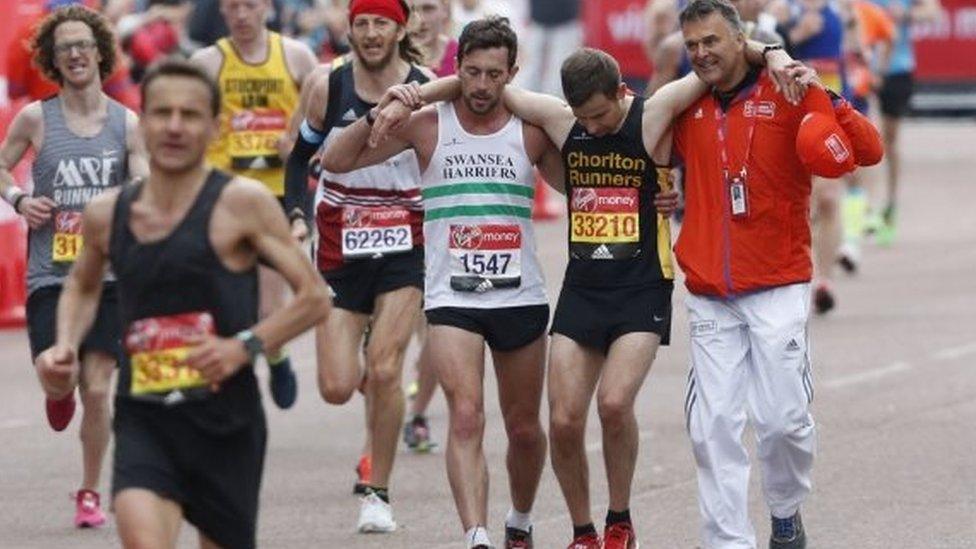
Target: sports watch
x: 252, y: 344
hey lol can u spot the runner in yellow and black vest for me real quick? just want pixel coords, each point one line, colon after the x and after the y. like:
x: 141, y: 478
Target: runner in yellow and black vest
x: 260, y: 75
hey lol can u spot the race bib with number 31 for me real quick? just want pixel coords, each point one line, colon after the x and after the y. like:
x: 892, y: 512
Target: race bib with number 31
x: 67, y: 241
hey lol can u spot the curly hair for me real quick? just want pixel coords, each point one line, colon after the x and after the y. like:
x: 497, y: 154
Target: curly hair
x: 43, y: 42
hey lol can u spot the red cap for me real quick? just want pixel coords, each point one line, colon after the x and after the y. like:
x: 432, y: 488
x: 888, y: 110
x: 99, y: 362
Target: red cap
x: 868, y: 148
x: 823, y: 147
x: 391, y: 9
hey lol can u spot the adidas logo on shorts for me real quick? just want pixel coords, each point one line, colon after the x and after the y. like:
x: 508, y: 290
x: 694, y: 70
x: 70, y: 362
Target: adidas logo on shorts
x: 601, y: 252
x: 792, y: 346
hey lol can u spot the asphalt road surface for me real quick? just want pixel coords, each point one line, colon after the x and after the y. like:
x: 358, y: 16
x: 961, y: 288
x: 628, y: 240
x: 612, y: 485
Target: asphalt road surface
x: 895, y: 407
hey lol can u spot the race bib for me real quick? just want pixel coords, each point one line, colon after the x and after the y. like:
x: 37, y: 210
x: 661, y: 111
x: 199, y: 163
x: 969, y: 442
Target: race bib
x: 485, y: 257
x: 67, y: 241
x: 604, y: 223
x: 375, y: 231
x: 158, y: 347
x: 254, y: 136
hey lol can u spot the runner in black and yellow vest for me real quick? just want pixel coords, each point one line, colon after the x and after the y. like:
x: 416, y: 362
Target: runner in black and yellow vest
x: 260, y: 75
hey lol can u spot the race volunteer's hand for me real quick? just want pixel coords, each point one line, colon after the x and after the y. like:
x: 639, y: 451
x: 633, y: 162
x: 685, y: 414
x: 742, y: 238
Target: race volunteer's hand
x: 803, y: 75
x: 37, y: 210
x: 666, y: 202
x: 57, y: 366
x: 217, y: 358
x: 299, y: 229
x: 781, y: 67
x: 389, y: 119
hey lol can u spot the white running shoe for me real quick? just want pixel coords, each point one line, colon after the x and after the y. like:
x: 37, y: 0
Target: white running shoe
x: 375, y: 515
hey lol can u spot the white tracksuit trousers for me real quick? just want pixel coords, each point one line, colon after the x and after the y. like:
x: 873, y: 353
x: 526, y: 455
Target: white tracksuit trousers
x: 749, y: 354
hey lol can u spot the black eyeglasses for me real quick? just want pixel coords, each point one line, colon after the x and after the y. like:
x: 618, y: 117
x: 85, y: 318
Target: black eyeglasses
x: 83, y: 46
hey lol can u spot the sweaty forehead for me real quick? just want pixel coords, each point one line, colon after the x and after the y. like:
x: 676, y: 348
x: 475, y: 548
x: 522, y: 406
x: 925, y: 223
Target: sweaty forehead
x: 72, y: 30
x: 177, y: 91
x: 486, y: 58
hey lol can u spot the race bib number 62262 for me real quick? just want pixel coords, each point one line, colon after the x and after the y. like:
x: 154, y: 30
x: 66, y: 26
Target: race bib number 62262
x: 372, y: 231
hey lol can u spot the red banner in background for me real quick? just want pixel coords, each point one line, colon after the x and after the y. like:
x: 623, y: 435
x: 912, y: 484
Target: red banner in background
x: 619, y: 28
x: 945, y: 51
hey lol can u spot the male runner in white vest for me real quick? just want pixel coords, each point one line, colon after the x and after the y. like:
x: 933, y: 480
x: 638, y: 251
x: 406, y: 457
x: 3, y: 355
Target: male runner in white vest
x: 483, y: 283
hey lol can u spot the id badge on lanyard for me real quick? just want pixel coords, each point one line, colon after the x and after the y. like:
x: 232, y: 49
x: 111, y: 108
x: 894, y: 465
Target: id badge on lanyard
x: 737, y: 185
x: 738, y: 194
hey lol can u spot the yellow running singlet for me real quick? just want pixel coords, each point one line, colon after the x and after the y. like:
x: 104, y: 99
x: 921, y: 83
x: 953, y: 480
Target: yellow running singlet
x: 258, y: 101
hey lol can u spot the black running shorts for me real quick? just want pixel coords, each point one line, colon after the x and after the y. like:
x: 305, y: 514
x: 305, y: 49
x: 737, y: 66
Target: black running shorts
x: 356, y: 284
x: 896, y: 94
x: 214, y: 477
x: 42, y: 308
x: 504, y: 329
x: 596, y: 317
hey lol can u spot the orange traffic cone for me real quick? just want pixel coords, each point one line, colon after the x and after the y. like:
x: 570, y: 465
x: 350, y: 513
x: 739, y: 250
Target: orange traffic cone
x: 542, y: 209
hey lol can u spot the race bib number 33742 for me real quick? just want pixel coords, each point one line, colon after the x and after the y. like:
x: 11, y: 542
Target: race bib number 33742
x: 158, y: 348
x: 375, y: 231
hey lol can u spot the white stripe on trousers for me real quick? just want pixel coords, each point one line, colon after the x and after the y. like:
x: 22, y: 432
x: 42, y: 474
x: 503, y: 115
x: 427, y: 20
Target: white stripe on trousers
x: 749, y: 354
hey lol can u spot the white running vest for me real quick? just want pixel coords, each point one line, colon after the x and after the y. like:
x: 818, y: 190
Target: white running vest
x: 478, y: 236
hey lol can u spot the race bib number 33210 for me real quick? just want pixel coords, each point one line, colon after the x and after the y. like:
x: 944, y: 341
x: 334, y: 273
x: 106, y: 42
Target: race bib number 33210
x: 158, y: 348
x: 604, y: 223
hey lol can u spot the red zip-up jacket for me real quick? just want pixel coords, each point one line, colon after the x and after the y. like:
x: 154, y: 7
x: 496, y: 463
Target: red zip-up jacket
x: 725, y: 256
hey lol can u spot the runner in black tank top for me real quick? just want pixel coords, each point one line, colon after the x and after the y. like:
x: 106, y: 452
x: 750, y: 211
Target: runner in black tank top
x: 190, y: 431
x: 610, y: 186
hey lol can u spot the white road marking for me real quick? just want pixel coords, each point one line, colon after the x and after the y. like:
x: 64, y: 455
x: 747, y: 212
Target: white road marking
x: 866, y: 376
x: 950, y: 353
x: 15, y: 423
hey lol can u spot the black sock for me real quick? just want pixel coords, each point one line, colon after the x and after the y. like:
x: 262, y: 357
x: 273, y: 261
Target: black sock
x: 613, y: 517
x: 583, y: 530
x: 382, y: 493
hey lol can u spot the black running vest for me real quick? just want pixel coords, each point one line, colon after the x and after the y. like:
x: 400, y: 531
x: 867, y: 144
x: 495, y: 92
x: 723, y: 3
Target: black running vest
x: 614, y: 228
x: 181, y: 274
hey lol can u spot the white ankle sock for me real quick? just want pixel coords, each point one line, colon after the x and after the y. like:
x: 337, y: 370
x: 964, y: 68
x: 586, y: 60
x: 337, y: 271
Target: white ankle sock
x: 521, y: 521
x: 477, y: 536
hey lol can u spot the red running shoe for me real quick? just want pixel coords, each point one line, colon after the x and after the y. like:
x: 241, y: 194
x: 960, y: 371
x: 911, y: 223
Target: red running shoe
x: 88, y: 509
x: 60, y: 412
x: 620, y: 536
x: 586, y: 541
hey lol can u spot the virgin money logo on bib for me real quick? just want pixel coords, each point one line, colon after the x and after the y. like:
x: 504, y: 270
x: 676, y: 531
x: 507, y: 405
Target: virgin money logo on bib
x: 486, y: 237
x: 259, y: 120
x: 355, y: 218
x: 584, y: 200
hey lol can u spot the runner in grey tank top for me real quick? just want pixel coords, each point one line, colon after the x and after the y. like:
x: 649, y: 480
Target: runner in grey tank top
x: 85, y: 144
x: 71, y: 170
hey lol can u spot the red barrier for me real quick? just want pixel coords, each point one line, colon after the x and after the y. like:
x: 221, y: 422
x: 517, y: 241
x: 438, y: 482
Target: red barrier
x: 13, y: 243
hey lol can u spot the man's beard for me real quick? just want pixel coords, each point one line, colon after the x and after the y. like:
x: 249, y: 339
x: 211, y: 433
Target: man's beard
x: 376, y: 65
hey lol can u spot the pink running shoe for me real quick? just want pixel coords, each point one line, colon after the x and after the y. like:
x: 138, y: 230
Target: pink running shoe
x: 60, y: 412
x: 88, y: 509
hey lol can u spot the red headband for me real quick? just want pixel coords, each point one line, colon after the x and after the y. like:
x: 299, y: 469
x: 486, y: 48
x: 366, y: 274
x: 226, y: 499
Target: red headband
x: 391, y: 9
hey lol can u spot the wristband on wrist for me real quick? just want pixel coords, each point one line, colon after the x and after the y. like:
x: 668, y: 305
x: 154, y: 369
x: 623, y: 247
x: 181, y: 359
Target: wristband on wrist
x: 370, y: 117
x: 297, y: 213
x: 768, y: 48
x: 12, y: 194
x: 17, y: 201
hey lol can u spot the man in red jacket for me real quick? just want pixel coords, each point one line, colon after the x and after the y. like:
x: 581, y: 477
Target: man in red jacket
x: 745, y: 250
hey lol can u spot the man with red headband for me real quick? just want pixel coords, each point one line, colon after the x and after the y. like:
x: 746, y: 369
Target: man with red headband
x: 370, y: 224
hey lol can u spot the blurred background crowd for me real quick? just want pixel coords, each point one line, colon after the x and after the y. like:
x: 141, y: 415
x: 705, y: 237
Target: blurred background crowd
x: 943, y: 36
